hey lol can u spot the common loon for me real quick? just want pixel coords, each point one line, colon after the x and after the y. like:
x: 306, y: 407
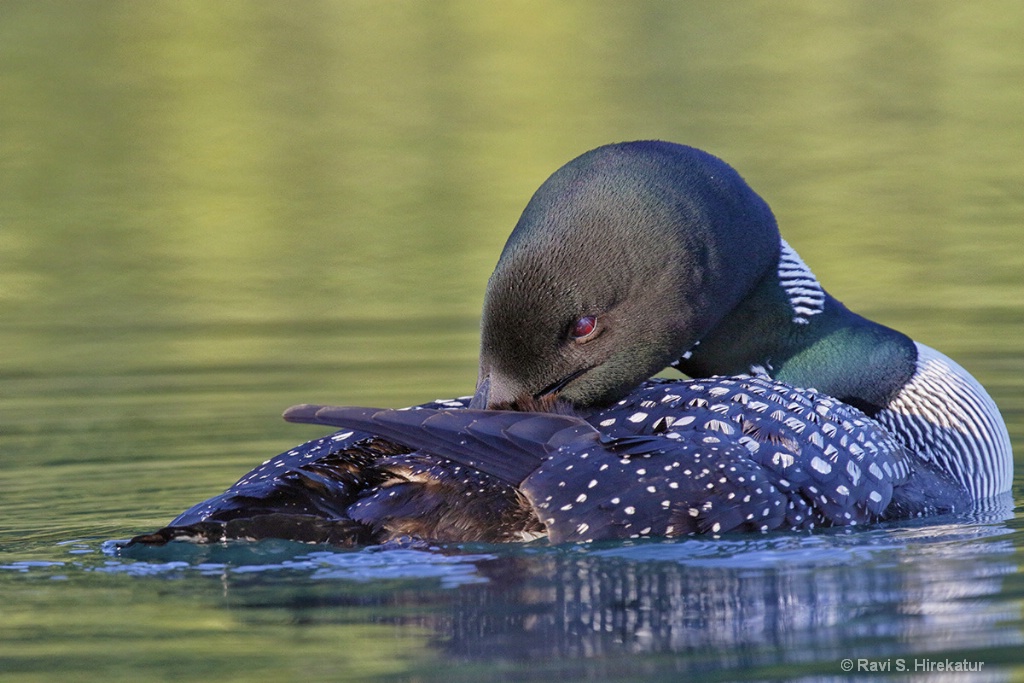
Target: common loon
x: 630, y: 258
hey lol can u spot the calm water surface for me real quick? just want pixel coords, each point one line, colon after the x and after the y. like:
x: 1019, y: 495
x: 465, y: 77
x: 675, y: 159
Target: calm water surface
x: 211, y: 212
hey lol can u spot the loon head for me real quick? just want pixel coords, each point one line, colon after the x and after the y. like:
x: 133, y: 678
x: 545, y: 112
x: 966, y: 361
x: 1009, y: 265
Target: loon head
x: 621, y: 261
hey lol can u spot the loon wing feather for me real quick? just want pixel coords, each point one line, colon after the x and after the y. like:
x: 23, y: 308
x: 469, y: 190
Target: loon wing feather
x: 507, y: 445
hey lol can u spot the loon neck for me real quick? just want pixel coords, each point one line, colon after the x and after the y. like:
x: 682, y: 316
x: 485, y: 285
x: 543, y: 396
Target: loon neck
x: 805, y: 337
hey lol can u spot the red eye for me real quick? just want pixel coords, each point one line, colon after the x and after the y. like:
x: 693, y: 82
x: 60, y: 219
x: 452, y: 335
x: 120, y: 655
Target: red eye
x: 584, y: 328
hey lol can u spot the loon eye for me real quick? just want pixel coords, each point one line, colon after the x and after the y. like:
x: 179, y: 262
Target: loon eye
x: 585, y: 328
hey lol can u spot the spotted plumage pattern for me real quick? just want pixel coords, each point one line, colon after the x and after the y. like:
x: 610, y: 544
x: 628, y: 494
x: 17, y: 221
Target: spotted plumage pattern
x: 675, y: 458
x: 737, y: 454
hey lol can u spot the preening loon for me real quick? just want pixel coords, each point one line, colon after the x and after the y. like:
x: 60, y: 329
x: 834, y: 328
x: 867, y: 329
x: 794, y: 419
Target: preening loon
x: 633, y: 257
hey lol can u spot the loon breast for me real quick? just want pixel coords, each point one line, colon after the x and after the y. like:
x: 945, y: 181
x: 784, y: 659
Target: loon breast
x: 946, y: 417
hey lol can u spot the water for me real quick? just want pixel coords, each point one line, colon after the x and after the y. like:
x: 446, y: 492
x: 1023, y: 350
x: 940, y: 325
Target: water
x: 211, y: 212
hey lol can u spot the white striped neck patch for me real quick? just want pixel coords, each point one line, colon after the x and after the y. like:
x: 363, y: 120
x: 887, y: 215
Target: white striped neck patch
x: 803, y: 290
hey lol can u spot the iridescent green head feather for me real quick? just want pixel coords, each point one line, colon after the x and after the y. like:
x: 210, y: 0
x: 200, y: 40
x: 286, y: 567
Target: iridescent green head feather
x: 654, y: 241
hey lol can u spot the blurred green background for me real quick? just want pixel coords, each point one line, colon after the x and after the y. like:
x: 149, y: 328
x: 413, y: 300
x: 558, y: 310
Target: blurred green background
x: 210, y: 211
x: 194, y: 163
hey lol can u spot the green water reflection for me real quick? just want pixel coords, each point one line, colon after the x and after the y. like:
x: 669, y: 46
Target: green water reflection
x: 210, y: 211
